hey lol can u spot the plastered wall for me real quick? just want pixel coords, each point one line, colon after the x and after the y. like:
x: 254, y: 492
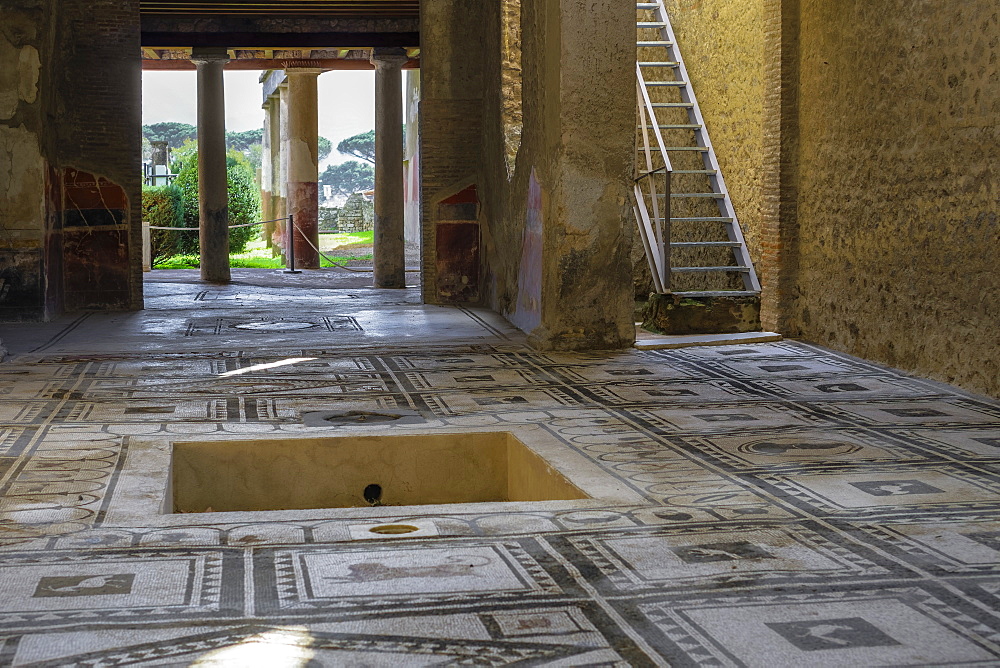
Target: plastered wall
x: 69, y: 157
x: 27, y: 268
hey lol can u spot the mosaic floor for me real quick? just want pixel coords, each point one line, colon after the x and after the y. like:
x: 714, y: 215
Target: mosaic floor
x: 773, y: 504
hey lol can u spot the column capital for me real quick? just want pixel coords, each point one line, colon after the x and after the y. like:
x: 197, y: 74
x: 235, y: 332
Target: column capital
x: 388, y: 57
x: 292, y: 68
x: 203, y: 55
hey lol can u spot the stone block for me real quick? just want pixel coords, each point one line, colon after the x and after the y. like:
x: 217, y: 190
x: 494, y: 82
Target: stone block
x: 674, y: 314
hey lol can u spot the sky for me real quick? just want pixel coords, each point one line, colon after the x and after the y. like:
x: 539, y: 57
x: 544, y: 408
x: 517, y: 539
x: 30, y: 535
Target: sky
x: 346, y: 102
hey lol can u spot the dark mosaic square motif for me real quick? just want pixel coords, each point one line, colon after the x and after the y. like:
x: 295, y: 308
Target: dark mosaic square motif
x: 725, y: 417
x: 896, y: 487
x: 832, y: 388
x: 842, y: 633
x: 629, y: 372
x: 913, y: 412
x: 700, y: 554
x: 84, y: 585
x: 500, y: 401
x: 671, y: 393
x: 783, y: 367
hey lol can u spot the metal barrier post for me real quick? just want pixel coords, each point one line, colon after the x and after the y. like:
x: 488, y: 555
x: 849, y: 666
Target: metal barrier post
x: 290, y: 254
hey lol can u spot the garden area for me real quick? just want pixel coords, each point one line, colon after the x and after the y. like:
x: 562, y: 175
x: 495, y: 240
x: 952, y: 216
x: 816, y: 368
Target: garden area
x: 341, y: 248
x: 176, y: 206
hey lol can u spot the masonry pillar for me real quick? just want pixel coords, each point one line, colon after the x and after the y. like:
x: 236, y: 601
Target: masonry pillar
x: 303, y: 164
x: 213, y: 199
x: 389, y: 250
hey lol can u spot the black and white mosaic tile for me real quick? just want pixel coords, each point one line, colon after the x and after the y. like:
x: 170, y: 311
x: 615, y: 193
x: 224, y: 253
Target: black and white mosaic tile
x: 791, y: 506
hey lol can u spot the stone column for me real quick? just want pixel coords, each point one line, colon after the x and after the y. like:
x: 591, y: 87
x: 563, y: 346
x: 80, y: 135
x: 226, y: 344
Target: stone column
x: 267, y: 167
x: 389, y: 250
x: 303, y: 164
x: 213, y: 199
x: 281, y: 183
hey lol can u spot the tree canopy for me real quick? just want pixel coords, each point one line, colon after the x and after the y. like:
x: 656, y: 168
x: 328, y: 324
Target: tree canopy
x: 171, y: 132
x: 247, y: 142
x: 325, y: 146
x: 242, y: 141
x: 359, y: 146
x: 349, y: 177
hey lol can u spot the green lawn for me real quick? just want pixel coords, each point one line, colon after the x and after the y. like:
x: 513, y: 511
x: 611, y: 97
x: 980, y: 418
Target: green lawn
x: 258, y: 255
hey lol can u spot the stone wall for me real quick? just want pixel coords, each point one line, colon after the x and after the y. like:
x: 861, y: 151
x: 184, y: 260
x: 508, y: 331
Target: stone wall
x: 898, y: 200
x: 862, y: 161
x: 69, y: 132
x: 357, y: 215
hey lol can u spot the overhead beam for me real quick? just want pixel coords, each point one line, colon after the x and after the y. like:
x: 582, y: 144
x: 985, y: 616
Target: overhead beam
x: 269, y: 64
x: 280, y: 40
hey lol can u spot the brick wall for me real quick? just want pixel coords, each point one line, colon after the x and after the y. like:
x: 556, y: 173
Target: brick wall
x: 98, y: 84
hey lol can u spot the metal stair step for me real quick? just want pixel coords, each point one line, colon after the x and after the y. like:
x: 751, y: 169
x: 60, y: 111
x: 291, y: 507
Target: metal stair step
x: 710, y: 172
x: 646, y: 5
x: 711, y: 195
x: 665, y: 63
x: 676, y: 148
x: 672, y: 105
x: 716, y: 293
x: 704, y: 244
x: 645, y: 43
x: 674, y: 84
x: 650, y: 24
x: 702, y: 219
x: 705, y: 270
x: 678, y: 126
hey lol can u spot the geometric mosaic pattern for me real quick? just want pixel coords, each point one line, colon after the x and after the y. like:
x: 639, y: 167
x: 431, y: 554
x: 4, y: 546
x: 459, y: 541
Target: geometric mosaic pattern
x: 799, y: 507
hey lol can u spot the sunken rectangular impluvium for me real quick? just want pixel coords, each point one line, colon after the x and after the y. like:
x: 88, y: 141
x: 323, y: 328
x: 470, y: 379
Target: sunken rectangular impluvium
x: 357, y: 471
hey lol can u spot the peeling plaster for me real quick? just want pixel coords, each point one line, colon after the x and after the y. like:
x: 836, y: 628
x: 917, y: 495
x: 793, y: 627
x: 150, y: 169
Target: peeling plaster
x: 22, y: 181
x: 19, y: 71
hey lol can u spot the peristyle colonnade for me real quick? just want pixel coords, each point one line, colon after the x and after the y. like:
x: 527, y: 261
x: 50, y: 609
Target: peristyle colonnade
x: 290, y: 165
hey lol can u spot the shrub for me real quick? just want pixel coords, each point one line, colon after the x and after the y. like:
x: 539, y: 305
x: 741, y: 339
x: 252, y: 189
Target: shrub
x: 162, y: 206
x: 244, y: 198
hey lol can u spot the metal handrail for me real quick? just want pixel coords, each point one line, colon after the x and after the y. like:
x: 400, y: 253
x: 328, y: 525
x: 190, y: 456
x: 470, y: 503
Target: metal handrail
x: 655, y: 229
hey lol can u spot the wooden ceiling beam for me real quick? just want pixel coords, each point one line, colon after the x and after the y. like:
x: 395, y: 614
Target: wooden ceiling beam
x: 282, y: 40
x: 269, y: 64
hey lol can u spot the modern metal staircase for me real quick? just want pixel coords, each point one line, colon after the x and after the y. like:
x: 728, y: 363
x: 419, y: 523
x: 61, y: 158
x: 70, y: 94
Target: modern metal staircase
x: 686, y: 218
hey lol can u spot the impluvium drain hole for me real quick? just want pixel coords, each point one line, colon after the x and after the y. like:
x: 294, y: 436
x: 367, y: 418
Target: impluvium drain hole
x: 373, y: 494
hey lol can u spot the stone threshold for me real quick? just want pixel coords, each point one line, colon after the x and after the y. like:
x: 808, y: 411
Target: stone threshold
x: 649, y: 341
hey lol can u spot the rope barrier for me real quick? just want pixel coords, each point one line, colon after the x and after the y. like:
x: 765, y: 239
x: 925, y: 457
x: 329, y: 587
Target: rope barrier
x: 322, y: 254
x: 334, y: 264
x: 232, y: 227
